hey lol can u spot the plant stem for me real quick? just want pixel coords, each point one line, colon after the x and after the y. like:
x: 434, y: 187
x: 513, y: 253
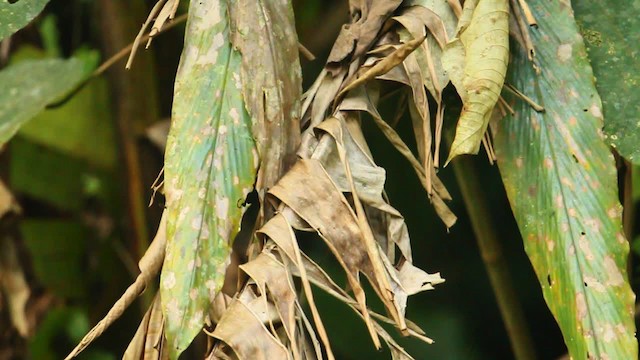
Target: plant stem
x: 135, y: 99
x: 491, y: 252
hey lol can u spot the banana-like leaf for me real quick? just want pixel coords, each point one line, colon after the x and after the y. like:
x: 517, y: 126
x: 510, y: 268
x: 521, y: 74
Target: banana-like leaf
x: 611, y: 30
x: 210, y: 167
x: 14, y: 17
x: 476, y: 61
x: 29, y: 86
x: 561, y: 181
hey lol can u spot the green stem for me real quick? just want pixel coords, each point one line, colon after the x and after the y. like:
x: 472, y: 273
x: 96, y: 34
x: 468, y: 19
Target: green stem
x: 491, y: 252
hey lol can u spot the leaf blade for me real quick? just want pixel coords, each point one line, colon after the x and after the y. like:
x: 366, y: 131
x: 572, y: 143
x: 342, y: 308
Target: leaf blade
x: 476, y: 61
x: 29, y: 86
x: 568, y: 213
x: 210, y: 167
x: 612, y: 31
x: 14, y: 17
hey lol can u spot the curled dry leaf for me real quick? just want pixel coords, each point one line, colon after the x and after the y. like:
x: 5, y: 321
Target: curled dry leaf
x: 210, y: 167
x: 384, y: 65
x: 356, y: 38
x: 242, y: 327
x: 476, y: 61
x: 149, y: 342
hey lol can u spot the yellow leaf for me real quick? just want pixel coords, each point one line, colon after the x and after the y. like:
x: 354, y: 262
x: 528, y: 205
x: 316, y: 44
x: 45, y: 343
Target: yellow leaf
x: 476, y: 61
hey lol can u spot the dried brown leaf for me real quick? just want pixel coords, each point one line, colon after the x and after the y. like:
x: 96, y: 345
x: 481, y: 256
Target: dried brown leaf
x: 148, y: 342
x: 271, y: 81
x: 269, y: 273
x: 360, y: 100
x: 384, y: 65
x: 13, y: 282
x: 356, y: 38
x: 242, y: 328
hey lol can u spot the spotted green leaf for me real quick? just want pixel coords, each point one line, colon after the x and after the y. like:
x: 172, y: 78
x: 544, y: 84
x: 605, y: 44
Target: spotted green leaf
x: 29, y: 86
x: 476, y: 61
x: 210, y: 167
x: 611, y: 30
x: 14, y: 17
x: 561, y: 181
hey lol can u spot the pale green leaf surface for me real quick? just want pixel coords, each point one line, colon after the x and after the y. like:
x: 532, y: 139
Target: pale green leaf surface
x: 29, y: 86
x: 476, y: 61
x: 210, y: 167
x: 14, y: 17
x: 611, y: 30
x: 561, y: 181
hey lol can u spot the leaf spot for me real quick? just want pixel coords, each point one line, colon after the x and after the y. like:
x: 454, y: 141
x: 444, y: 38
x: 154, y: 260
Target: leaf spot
x: 585, y: 247
x: 564, y: 52
x: 169, y: 280
x: 519, y: 162
x: 613, y: 273
x: 594, y: 284
x: 609, y: 334
x: 581, y: 306
x: 222, y: 207
x: 550, y: 244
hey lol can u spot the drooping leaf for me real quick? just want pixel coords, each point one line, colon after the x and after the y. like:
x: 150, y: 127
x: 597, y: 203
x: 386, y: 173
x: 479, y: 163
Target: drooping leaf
x: 29, y: 86
x: 266, y: 37
x: 14, y: 17
x: 251, y: 315
x: 210, y: 168
x: 561, y: 181
x: 86, y: 115
x: 356, y: 38
x: 476, y: 61
x: 611, y: 30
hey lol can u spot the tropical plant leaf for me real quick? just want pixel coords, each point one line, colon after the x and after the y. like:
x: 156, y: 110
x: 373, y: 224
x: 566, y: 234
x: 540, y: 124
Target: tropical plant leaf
x: 32, y: 85
x: 561, y: 181
x: 14, y: 17
x: 476, y: 61
x: 266, y: 37
x: 611, y: 31
x: 210, y: 167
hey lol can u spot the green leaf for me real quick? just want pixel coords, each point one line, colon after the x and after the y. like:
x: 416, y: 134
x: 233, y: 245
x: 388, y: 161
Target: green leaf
x: 29, y: 86
x: 561, y: 181
x: 210, y: 168
x: 611, y: 30
x: 476, y: 61
x: 14, y: 17
x: 58, y: 249
x: 57, y: 180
